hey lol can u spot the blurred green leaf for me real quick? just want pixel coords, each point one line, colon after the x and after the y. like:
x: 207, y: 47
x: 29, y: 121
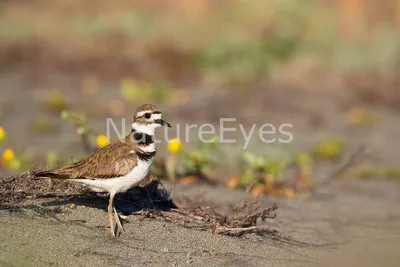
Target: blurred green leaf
x: 52, y: 159
x: 328, y: 149
x: 43, y: 125
x: 133, y: 91
x: 247, y: 178
x: 55, y: 101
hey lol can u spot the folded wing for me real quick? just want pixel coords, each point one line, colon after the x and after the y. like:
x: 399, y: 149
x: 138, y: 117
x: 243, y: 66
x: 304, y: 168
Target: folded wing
x: 114, y: 160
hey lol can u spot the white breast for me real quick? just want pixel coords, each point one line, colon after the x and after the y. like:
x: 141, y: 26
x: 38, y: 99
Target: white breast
x: 120, y: 184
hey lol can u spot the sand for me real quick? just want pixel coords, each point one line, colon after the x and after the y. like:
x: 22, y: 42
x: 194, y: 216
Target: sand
x: 342, y: 224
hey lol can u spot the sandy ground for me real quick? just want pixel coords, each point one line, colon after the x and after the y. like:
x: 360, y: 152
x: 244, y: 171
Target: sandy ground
x: 341, y: 224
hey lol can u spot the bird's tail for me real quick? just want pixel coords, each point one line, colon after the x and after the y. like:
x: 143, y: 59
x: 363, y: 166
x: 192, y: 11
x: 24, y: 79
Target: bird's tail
x: 53, y: 174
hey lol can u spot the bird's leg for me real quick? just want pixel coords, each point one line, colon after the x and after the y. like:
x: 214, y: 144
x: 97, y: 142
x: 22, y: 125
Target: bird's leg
x: 119, y: 225
x: 110, y: 215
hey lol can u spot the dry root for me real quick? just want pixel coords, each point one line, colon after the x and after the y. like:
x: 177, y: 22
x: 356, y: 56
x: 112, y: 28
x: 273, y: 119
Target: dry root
x: 240, y: 220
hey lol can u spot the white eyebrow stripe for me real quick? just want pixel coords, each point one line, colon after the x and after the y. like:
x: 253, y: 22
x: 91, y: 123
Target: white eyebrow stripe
x: 141, y: 113
x: 155, y: 116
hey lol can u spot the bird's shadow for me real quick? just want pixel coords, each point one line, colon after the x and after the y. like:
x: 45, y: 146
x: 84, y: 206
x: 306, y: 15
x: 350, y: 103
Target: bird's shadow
x: 152, y: 196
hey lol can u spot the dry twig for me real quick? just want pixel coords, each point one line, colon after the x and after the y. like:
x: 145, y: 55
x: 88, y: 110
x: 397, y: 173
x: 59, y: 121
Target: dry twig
x: 355, y: 159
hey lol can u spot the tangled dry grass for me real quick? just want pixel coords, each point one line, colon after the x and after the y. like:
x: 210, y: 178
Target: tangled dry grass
x: 237, y: 222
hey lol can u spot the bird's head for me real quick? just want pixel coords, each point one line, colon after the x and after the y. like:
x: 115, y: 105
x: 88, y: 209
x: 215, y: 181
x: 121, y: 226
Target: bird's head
x: 147, y: 118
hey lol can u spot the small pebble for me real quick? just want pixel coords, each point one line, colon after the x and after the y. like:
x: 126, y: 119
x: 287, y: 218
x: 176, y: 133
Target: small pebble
x: 72, y: 206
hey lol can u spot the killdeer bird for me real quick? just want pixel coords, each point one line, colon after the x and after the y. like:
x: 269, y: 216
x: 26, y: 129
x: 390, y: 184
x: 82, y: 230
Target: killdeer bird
x: 118, y: 166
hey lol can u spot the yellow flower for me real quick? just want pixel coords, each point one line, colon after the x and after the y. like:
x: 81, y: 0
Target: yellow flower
x: 2, y: 134
x: 101, y: 141
x: 174, y: 145
x: 8, y: 155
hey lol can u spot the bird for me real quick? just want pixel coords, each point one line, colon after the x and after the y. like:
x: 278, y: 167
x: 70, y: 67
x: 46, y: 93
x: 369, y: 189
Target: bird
x: 118, y: 166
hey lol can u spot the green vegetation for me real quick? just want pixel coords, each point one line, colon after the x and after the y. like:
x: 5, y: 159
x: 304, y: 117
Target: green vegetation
x: 243, y: 63
x: 55, y: 102
x: 376, y: 173
x: 328, y: 149
x: 43, y: 125
x: 233, y: 44
x: 281, y: 175
x: 181, y: 163
x: 133, y: 91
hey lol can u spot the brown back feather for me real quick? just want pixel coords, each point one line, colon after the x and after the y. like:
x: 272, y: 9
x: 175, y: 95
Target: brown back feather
x: 113, y: 160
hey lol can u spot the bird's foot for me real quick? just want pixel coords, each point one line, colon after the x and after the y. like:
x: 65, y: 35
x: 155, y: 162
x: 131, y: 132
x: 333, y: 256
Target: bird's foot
x: 120, y: 227
x: 124, y: 218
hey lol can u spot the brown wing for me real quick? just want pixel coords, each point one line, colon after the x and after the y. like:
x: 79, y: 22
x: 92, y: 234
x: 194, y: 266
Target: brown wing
x: 113, y: 160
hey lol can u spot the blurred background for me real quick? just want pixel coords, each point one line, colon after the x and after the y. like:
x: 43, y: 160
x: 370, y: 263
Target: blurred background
x: 328, y: 67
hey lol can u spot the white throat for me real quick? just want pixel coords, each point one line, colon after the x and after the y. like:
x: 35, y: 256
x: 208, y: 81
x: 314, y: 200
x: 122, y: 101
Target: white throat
x: 147, y: 129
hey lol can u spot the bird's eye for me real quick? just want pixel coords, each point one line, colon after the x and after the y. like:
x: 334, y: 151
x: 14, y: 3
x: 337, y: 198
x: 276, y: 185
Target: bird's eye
x: 147, y: 115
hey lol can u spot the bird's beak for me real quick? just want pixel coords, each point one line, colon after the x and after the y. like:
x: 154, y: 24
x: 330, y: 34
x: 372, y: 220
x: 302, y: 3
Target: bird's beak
x: 162, y: 122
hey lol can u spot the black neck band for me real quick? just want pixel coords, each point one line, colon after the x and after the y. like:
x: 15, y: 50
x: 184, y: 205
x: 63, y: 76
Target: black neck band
x: 141, y: 138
